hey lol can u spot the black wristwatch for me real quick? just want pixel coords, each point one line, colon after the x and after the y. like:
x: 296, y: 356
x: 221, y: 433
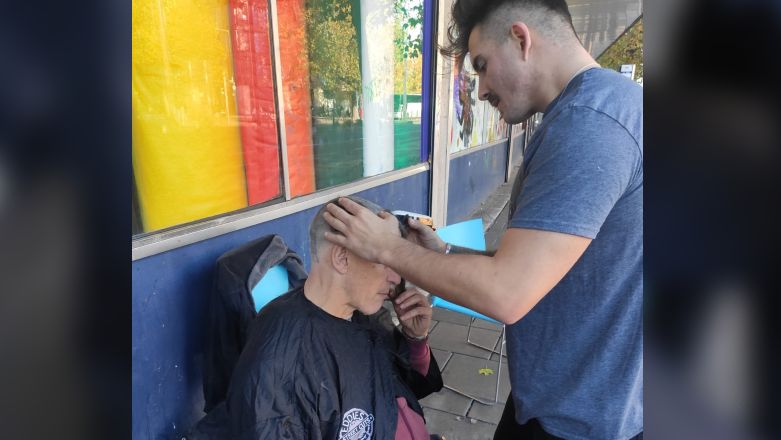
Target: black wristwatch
x: 413, y: 338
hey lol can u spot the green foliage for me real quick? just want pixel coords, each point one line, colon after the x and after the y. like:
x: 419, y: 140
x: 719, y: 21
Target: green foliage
x: 628, y: 49
x: 414, y: 76
x: 409, y: 37
x: 333, y: 47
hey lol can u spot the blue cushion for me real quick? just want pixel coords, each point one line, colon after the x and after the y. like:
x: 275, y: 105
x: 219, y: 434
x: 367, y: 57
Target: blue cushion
x: 273, y: 284
x: 467, y: 234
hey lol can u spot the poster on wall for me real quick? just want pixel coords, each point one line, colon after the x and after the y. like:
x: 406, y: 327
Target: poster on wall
x: 475, y: 122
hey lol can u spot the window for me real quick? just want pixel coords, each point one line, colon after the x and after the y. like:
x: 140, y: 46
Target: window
x: 221, y: 124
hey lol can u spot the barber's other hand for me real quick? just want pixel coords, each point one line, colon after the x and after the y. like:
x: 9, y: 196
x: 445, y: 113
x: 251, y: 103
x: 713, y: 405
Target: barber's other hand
x: 425, y: 236
x: 414, y: 312
x: 360, y: 230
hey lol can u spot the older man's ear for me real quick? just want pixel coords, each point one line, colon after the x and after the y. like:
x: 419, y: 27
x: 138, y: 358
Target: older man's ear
x: 339, y: 259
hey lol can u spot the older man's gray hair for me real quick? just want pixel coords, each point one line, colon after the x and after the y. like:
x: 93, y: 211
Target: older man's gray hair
x: 319, y: 227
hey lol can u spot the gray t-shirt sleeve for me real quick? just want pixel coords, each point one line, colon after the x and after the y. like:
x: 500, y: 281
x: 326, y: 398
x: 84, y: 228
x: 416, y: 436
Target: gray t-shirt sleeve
x: 575, y: 177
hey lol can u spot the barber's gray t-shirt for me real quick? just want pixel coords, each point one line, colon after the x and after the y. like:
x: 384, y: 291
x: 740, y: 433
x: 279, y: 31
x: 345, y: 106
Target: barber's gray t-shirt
x: 577, y: 356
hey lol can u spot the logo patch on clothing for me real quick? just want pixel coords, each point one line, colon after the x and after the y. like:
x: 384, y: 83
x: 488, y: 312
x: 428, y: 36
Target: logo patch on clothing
x: 357, y: 424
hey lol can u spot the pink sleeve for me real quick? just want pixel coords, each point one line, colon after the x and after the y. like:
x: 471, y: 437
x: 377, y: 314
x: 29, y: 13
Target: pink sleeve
x: 409, y: 424
x: 419, y: 356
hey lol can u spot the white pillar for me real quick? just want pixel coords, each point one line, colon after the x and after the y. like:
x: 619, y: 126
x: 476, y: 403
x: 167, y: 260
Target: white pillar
x: 377, y: 18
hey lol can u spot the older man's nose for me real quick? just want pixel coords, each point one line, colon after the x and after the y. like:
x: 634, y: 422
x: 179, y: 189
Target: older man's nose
x: 393, y: 277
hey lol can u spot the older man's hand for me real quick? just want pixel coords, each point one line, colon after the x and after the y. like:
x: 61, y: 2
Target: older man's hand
x: 360, y: 230
x: 414, y: 312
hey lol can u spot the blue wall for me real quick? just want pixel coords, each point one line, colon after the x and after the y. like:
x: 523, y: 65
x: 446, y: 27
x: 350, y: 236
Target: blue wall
x: 473, y: 177
x: 170, y: 292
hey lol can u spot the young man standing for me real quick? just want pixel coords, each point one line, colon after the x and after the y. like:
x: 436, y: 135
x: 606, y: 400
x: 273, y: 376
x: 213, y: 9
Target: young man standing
x: 567, y: 277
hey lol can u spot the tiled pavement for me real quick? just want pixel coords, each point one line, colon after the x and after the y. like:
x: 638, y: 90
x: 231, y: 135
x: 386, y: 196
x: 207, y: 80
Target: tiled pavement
x: 448, y: 413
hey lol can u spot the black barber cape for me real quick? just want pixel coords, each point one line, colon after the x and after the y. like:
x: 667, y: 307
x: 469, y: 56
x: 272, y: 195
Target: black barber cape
x: 305, y: 374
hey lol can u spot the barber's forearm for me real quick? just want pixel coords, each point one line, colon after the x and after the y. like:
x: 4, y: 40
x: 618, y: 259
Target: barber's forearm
x: 469, y: 280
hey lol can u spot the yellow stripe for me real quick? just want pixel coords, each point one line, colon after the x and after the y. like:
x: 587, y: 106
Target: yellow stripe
x: 186, y: 143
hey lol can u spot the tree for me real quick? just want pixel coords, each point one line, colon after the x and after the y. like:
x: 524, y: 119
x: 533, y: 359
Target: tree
x: 408, y: 39
x: 333, y: 49
x: 414, y: 77
x: 627, y: 49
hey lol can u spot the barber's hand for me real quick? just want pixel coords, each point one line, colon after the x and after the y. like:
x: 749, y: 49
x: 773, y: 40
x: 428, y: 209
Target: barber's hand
x: 414, y: 312
x: 425, y: 236
x: 360, y: 230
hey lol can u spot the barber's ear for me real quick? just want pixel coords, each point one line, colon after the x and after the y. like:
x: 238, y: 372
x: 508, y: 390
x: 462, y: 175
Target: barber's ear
x: 521, y: 36
x: 339, y: 259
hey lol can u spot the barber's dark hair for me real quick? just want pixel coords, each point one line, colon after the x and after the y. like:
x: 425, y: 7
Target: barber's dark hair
x: 466, y: 14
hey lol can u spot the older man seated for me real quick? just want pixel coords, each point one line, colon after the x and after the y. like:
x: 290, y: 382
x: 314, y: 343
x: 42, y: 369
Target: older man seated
x: 326, y: 362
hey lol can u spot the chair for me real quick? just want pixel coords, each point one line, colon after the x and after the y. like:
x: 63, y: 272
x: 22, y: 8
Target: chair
x: 470, y: 234
x: 246, y: 278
